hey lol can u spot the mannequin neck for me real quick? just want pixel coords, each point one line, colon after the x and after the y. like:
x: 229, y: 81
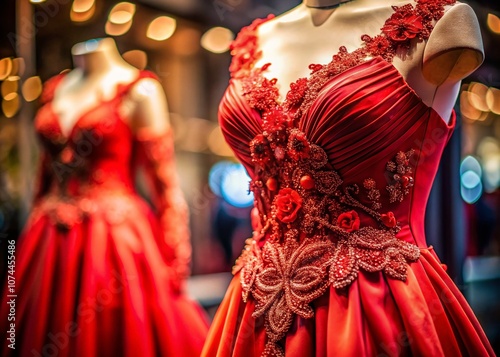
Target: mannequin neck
x: 97, y: 56
x: 324, y: 4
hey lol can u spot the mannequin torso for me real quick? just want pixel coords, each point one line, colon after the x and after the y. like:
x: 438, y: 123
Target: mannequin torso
x: 312, y: 35
x: 99, y: 70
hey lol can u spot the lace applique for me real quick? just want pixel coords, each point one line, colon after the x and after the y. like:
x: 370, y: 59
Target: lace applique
x: 400, y: 172
x: 407, y: 24
x: 296, y: 190
x: 169, y: 200
x: 316, y: 230
x: 113, y: 204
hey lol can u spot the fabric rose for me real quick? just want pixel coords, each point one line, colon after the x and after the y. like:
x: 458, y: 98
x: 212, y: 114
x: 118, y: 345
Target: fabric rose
x: 403, y: 26
x: 349, y: 221
x: 388, y: 220
x: 288, y: 203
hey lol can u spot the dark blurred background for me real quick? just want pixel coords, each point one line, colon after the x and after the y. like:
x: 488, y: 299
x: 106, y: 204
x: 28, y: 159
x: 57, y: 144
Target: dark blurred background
x: 185, y: 42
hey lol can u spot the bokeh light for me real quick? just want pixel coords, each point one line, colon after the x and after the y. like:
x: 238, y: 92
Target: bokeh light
x: 217, y: 39
x: 161, y: 28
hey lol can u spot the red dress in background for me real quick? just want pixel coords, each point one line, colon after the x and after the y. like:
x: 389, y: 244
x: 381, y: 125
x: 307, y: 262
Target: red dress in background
x: 98, y: 272
x: 341, y: 172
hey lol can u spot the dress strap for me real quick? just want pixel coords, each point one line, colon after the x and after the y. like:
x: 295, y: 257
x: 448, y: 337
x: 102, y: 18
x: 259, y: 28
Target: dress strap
x: 123, y: 88
x: 50, y: 86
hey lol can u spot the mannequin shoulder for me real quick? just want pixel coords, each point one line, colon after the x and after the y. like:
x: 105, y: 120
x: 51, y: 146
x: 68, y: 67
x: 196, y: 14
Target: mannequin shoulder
x: 150, y: 105
x: 455, y: 47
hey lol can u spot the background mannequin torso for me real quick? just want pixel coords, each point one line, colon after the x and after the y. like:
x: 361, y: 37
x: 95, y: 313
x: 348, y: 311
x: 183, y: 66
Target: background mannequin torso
x: 99, y: 70
x: 313, y: 35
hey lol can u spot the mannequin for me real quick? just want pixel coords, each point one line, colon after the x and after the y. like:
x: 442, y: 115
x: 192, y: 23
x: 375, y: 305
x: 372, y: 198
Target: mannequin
x: 90, y: 231
x: 337, y: 100
x: 317, y: 28
x: 99, y: 69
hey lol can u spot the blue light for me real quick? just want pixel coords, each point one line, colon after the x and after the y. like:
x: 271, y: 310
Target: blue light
x: 471, y: 187
x: 234, y: 186
x: 470, y: 179
x: 215, y: 176
x: 470, y: 163
x: 471, y: 195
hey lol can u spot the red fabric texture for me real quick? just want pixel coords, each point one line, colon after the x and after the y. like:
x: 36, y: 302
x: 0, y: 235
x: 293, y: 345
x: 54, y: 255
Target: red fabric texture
x: 362, y: 118
x: 98, y: 270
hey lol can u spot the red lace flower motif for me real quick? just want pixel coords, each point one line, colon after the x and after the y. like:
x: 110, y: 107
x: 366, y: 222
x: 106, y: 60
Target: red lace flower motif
x: 295, y: 96
x: 403, y: 26
x: 288, y: 203
x: 389, y: 220
x: 274, y: 127
x: 430, y: 9
x: 349, y: 221
x: 244, y: 48
x: 260, y: 150
x: 298, y: 146
x: 377, y: 46
x: 261, y: 93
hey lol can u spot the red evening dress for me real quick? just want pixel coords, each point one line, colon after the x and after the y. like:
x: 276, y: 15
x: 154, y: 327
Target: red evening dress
x: 98, y: 271
x: 341, y: 171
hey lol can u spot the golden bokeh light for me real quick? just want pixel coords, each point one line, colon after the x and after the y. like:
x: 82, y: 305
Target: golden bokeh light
x: 117, y: 30
x: 18, y: 67
x: 82, y: 6
x: 11, y: 106
x: 10, y: 85
x: 82, y: 16
x: 488, y: 146
x: 32, y: 88
x: 217, y: 144
x: 493, y: 100
x: 217, y: 39
x: 120, y: 17
x: 493, y: 23
x: 10, y: 96
x: 161, y: 28
x: 467, y: 109
x: 37, y: 1
x: 478, y: 97
x: 5, y: 68
x: 122, y: 13
x: 136, y: 58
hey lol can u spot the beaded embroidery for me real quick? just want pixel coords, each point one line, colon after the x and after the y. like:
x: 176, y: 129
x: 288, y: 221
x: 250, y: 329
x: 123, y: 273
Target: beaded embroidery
x: 313, y: 235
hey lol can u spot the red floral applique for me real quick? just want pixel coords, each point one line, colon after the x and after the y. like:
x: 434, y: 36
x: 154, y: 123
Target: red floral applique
x: 349, y: 221
x: 298, y: 146
x: 379, y: 45
x: 242, y: 49
x: 402, y: 27
x: 388, y: 219
x: 288, y: 203
x: 260, y: 150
